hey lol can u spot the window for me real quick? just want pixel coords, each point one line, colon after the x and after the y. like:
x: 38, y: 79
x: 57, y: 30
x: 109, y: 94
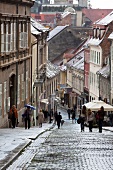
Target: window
x: 0, y: 99
x: 98, y: 32
x: 2, y: 38
x: 23, y: 35
x: 6, y: 38
x: 90, y: 77
x: 13, y: 36
x: 97, y: 57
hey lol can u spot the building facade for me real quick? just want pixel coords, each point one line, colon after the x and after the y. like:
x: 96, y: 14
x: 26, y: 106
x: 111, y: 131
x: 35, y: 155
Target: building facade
x: 99, y: 59
x: 15, y: 56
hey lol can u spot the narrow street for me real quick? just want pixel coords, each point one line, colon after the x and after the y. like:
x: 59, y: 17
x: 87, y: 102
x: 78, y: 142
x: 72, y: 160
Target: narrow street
x: 68, y: 149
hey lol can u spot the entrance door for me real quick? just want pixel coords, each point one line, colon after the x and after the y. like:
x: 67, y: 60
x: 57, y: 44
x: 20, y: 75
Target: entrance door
x: 12, y: 87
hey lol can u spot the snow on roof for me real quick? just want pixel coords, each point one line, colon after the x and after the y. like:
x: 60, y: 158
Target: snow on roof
x: 63, y: 68
x: 56, y: 31
x: 105, y: 71
x: 51, y: 70
x: 64, y: 14
x: 34, y: 31
x: 79, y: 65
x: 74, y: 60
x: 111, y: 36
x: 94, y: 41
x: 106, y: 20
x: 38, y: 26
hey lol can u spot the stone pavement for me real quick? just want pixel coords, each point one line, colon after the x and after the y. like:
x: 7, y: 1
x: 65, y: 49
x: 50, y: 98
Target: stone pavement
x: 14, y: 141
x: 69, y: 149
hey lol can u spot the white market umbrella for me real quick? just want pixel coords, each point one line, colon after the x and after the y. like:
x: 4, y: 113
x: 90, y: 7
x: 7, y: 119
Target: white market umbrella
x: 96, y: 104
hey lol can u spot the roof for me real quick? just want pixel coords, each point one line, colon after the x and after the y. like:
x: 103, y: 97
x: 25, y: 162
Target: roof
x: 63, y: 68
x: 96, y: 14
x: 56, y: 31
x: 64, y: 14
x: 70, y: 9
x: 78, y: 61
x: 104, y: 71
x: 34, y: 31
x: 52, y: 70
x: 106, y: 20
x: 80, y: 64
x: 94, y: 41
x: 39, y: 27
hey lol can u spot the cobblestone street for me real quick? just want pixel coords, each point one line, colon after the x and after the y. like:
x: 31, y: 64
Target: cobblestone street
x: 69, y: 149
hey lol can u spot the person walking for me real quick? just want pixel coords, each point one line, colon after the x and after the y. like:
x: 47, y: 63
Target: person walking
x: 100, y: 117
x: 59, y: 117
x: 69, y: 112
x: 40, y: 118
x: 13, y: 115
x: 83, y: 116
x: 27, y: 117
x: 90, y: 119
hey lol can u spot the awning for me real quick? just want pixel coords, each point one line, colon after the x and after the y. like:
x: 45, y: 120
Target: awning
x: 44, y: 101
x: 96, y: 104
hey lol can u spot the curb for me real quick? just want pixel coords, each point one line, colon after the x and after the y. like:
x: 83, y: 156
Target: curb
x: 16, y: 155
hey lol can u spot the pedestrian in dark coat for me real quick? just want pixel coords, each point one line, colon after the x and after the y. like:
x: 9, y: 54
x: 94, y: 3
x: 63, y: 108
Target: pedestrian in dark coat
x: 59, y: 117
x: 27, y: 117
x: 100, y: 116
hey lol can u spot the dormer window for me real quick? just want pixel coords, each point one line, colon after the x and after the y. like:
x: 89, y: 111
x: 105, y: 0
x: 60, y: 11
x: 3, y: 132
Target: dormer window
x: 101, y: 33
x: 94, y: 33
x: 98, y: 32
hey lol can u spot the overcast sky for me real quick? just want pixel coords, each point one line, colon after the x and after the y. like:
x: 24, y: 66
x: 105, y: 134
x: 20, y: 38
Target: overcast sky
x: 103, y: 4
